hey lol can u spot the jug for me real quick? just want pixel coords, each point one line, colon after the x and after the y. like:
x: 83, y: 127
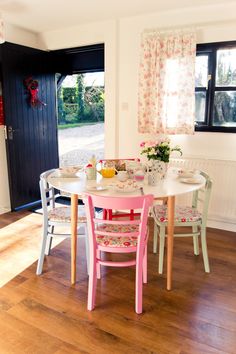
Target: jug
x: 107, y: 169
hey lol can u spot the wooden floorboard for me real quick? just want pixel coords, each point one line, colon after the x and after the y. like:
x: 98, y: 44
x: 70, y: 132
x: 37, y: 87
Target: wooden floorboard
x: 47, y: 315
x: 20, y: 238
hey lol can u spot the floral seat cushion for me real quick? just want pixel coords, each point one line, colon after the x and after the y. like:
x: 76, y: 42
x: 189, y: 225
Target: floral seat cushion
x: 63, y: 214
x: 119, y: 241
x: 182, y: 214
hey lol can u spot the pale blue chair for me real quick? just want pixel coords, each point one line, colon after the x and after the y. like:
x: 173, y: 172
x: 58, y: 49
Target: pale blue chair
x: 194, y: 216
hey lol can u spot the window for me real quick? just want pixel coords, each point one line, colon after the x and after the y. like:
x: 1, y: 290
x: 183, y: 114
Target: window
x: 215, y: 87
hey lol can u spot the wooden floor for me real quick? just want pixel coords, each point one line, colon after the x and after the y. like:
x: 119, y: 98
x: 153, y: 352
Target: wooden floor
x: 20, y: 238
x: 46, y: 315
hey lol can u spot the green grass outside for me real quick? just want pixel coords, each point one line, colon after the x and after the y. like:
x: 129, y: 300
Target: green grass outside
x: 74, y: 125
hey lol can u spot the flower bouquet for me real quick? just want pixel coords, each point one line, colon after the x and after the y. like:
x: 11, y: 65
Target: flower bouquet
x: 158, y: 150
x: 158, y: 155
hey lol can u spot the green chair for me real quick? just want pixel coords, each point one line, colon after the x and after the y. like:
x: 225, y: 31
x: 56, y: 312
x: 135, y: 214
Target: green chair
x: 194, y: 216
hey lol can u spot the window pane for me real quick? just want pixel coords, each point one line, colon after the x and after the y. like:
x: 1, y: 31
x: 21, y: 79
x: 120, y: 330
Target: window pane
x: 200, y: 106
x: 201, y: 71
x: 226, y: 67
x: 225, y: 109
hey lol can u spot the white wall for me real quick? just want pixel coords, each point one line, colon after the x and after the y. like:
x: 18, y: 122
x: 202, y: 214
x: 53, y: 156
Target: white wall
x: 122, y: 41
x: 205, y: 145
x: 210, y: 28
x: 18, y: 35
x: 105, y: 32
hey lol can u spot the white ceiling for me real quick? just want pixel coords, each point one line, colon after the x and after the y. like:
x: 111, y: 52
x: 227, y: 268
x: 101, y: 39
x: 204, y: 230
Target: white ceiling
x: 46, y: 15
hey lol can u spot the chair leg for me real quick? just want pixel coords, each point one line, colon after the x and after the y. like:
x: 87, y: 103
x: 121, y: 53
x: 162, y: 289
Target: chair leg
x: 48, y: 246
x: 161, y: 248
x: 92, y: 284
x: 87, y: 247
x: 139, y: 285
x: 145, y: 266
x: 98, y: 265
x: 43, y: 248
x: 110, y: 214
x: 204, y: 250
x: 104, y: 214
x: 131, y: 214
x: 155, y: 238
x: 195, y: 241
x: 49, y: 241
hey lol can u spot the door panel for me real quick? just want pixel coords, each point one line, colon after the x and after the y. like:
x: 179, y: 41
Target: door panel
x: 32, y: 146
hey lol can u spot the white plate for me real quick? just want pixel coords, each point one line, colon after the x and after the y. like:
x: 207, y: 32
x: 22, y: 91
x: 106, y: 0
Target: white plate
x: 126, y: 187
x: 186, y: 175
x: 96, y: 188
x: 126, y: 190
x: 191, y: 180
x: 59, y: 175
x: 72, y: 175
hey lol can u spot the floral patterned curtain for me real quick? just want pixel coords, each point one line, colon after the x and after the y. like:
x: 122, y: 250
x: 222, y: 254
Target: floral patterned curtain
x: 166, y: 102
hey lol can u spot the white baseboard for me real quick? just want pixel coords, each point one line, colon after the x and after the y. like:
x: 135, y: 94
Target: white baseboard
x: 222, y: 225
x: 4, y: 210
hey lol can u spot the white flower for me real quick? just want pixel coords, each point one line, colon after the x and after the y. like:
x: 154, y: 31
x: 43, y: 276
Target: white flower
x: 152, y: 152
x: 165, y: 143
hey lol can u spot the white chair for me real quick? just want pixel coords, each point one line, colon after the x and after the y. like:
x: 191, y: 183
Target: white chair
x: 54, y: 216
x: 194, y: 216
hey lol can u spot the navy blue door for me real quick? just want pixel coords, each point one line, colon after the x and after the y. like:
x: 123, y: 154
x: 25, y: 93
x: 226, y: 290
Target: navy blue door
x: 31, y: 131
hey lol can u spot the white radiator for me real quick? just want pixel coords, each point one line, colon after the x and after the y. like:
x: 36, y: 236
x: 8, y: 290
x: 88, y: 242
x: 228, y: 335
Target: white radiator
x: 222, y: 210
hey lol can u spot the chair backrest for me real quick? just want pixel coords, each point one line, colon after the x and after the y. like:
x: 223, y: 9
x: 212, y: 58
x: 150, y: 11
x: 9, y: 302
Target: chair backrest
x: 117, y: 160
x: 120, y: 164
x: 201, y: 197
x: 47, y: 192
x: 117, y: 203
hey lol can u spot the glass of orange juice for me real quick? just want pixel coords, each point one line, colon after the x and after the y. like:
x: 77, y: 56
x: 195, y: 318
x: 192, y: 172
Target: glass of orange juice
x: 107, y: 169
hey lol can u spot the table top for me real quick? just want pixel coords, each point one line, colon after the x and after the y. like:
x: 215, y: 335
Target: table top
x: 171, y: 185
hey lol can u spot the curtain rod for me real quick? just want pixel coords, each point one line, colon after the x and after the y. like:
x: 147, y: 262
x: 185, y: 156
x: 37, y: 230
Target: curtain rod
x: 171, y: 29
x: 193, y: 27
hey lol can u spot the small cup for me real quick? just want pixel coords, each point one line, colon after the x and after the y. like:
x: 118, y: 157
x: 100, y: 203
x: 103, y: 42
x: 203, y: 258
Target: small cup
x: 122, y: 176
x: 91, y: 173
x: 139, y: 176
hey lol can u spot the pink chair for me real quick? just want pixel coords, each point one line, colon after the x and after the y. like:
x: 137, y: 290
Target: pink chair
x: 123, y: 236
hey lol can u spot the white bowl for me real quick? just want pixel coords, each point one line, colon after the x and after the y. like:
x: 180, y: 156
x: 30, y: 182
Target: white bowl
x: 186, y: 173
x: 69, y: 171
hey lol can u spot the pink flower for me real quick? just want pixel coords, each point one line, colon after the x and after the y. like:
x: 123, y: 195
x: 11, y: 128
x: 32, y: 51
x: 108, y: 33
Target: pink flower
x: 150, y: 144
x: 142, y: 144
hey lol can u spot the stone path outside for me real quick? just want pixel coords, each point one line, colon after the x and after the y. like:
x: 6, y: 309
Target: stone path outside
x: 77, y: 145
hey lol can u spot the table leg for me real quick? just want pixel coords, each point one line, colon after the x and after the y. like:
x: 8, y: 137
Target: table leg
x: 170, y: 239
x: 74, y: 219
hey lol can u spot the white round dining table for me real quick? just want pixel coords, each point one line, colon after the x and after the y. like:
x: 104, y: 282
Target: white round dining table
x: 168, y: 188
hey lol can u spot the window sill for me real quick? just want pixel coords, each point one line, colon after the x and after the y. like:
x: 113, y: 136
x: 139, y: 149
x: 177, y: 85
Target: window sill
x: 215, y: 129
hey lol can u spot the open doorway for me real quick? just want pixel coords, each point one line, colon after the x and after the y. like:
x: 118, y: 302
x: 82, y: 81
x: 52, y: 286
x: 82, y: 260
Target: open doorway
x: 80, y: 102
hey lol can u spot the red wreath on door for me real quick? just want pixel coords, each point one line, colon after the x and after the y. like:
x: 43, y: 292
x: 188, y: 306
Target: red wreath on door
x: 32, y: 88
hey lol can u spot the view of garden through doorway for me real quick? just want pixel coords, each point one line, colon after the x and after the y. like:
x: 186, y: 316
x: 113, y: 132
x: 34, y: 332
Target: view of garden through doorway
x: 80, y: 100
